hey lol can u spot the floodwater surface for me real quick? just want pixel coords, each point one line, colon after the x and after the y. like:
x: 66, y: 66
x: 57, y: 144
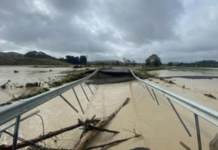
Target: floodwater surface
x: 25, y: 75
x: 188, y: 72
x: 158, y: 125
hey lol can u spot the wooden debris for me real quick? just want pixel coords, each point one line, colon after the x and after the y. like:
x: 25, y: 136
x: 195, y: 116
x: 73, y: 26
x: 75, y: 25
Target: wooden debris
x: 90, y: 127
x: 113, y: 143
x: 171, y: 82
x: 87, y: 135
x: 4, y: 86
x: 214, y: 143
x: 162, y: 79
x: 40, y: 138
x: 167, y: 81
x: 210, y: 95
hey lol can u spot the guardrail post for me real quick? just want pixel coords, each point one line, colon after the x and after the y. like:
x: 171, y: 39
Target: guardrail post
x: 142, y: 84
x: 90, y: 89
x: 16, y: 131
x: 78, y: 101
x: 69, y: 103
x: 95, y: 86
x: 150, y: 93
x: 198, y: 132
x: 180, y: 119
x: 155, y: 97
x: 84, y: 92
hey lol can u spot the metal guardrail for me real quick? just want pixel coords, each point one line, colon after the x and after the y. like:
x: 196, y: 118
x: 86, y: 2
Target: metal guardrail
x: 206, y: 113
x: 17, y: 109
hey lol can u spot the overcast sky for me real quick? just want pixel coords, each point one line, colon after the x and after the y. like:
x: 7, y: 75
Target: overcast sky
x: 175, y: 30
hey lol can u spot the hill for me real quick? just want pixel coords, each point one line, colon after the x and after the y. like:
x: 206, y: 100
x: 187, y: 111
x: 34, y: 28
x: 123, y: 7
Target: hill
x: 30, y: 58
x: 30, y: 61
x: 36, y: 54
x: 10, y: 54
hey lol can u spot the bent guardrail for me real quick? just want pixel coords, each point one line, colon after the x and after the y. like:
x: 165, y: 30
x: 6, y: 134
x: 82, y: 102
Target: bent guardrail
x: 206, y: 113
x: 17, y: 109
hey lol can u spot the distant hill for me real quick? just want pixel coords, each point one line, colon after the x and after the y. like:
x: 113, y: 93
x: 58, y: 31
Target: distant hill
x: 30, y: 61
x: 36, y: 54
x: 106, y: 62
x: 30, y: 58
x: 10, y: 54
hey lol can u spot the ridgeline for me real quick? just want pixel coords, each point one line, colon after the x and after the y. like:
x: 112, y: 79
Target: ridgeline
x: 30, y: 58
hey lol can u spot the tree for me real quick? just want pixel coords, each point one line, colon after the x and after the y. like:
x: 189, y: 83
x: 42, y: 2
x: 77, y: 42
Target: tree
x: 83, y: 60
x: 170, y: 64
x: 153, y: 60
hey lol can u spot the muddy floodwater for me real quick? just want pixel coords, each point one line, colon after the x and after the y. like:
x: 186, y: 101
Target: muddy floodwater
x: 210, y: 72
x: 26, y: 74
x: 158, y: 124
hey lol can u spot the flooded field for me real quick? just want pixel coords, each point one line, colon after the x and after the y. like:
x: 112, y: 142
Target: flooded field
x: 210, y: 72
x: 26, y: 74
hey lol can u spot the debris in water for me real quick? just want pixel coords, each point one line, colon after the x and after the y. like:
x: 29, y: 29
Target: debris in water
x: 171, y: 82
x: 210, y: 95
x: 214, y: 143
x: 35, y: 84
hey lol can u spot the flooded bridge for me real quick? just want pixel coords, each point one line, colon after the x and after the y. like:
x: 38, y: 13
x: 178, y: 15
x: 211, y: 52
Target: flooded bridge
x: 152, y: 118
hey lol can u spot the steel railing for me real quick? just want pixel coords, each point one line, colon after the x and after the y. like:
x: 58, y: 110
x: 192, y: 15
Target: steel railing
x: 17, y: 109
x: 206, y: 113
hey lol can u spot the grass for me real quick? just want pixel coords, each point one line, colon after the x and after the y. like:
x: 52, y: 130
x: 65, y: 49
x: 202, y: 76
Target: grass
x: 69, y: 77
x: 30, y: 92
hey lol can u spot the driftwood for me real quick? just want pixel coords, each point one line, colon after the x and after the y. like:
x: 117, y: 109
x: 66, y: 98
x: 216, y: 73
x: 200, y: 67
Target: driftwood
x: 116, y: 142
x: 87, y: 125
x: 214, y: 143
x: 210, y: 95
x: 90, y: 133
x: 90, y: 127
x: 112, y: 143
x: 40, y: 138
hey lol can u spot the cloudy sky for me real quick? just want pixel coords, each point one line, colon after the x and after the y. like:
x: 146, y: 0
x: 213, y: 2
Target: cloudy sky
x: 175, y: 30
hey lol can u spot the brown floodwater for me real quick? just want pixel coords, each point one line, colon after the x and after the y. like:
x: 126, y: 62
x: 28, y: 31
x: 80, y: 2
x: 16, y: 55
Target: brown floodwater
x: 158, y: 125
x: 26, y: 74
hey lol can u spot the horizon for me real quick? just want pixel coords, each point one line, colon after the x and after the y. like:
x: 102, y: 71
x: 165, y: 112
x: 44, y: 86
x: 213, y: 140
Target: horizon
x: 175, y: 30
x: 109, y: 59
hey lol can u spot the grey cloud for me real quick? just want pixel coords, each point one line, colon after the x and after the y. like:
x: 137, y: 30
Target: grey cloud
x: 108, y: 29
x: 143, y: 21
